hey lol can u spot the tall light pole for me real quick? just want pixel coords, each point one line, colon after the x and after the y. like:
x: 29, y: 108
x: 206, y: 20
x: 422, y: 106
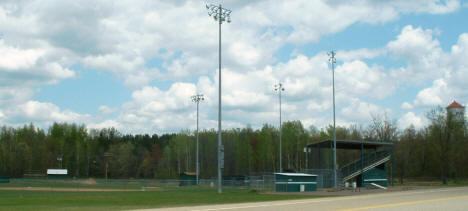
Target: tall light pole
x: 60, y: 159
x: 197, y: 98
x: 220, y: 14
x: 279, y: 87
x: 332, y: 60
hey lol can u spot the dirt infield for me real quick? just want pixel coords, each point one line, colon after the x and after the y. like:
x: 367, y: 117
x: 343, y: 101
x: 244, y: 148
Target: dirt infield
x: 70, y: 189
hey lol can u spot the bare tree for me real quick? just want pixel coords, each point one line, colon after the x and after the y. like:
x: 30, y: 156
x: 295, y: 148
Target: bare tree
x: 382, y: 129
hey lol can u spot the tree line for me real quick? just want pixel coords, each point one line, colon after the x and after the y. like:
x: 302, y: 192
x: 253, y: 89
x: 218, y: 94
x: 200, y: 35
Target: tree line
x: 437, y: 150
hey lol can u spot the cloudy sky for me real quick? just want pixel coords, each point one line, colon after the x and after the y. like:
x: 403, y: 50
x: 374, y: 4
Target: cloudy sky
x: 133, y: 65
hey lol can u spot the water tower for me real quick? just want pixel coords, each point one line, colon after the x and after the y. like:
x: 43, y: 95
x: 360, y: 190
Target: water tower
x: 457, y: 110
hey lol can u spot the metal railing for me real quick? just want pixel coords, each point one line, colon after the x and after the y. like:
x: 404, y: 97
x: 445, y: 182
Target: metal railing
x: 370, y: 161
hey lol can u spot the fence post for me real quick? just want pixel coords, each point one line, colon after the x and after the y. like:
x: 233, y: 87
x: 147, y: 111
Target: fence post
x: 263, y: 185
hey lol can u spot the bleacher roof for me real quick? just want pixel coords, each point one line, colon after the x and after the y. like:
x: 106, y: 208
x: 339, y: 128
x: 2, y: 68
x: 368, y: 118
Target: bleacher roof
x: 350, y: 144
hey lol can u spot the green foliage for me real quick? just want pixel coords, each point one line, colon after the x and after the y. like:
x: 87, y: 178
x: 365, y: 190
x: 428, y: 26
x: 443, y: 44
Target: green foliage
x: 438, y: 150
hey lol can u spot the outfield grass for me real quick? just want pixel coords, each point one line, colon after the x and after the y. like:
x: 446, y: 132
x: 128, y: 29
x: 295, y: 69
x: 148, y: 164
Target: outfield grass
x: 49, y: 200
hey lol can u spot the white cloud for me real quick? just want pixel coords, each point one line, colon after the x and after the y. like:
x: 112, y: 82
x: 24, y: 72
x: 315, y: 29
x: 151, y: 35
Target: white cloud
x: 14, y: 58
x: 452, y: 84
x: 413, y: 42
x: 358, y: 111
x: 44, y: 114
x: 107, y: 124
x: 244, y: 53
x: 359, y: 54
x: 106, y: 110
x: 12, y: 96
x: 436, y: 7
x: 29, y: 67
x: 124, y: 35
x: 425, y: 58
x: 41, y: 41
x: 22, y: 70
x: 355, y: 78
x: 409, y: 119
x: 324, y: 17
x: 406, y: 106
x: 432, y: 96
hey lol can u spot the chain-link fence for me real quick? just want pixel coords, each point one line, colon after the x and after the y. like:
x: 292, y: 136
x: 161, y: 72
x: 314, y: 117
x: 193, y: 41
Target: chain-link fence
x: 259, y: 184
x: 325, y: 177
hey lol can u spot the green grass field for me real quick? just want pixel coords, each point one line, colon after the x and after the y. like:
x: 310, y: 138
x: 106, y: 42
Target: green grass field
x: 53, y: 200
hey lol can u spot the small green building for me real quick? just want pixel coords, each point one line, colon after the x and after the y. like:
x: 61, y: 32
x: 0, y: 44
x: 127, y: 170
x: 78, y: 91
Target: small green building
x: 4, y: 179
x: 295, y: 182
x: 188, y: 178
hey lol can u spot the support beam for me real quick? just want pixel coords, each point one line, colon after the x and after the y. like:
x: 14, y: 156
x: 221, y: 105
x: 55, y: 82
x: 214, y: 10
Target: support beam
x: 362, y: 164
x: 391, y: 167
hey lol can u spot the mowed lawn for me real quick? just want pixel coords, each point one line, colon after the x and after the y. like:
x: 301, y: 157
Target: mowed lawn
x: 50, y: 200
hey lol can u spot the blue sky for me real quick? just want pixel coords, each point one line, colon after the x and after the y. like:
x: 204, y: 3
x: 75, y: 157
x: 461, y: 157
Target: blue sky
x: 133, y: 65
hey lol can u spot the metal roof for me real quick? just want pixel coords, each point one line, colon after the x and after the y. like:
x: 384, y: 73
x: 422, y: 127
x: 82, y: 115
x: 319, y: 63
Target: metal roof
x: 455, y: 104
x: 190, y: 173
x: 297, y: 174
x: 350, y: 144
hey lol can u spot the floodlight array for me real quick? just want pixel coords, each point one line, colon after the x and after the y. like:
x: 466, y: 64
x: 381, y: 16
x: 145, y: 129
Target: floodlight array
x: 219, y: 13
x: 198, y: 98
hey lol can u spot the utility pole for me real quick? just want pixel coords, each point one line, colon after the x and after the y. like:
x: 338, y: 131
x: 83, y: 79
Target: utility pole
x: 197, y: 98
x: 279, y: 87
x: 219, y: 14
x: 332, y: 60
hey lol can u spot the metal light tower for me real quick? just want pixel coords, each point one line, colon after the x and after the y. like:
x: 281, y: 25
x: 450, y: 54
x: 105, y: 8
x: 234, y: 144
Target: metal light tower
x: 279, y: 87
x: 197, y: 98
x: 219, y: 14
x: 332, y: 60
x: 60, y: 159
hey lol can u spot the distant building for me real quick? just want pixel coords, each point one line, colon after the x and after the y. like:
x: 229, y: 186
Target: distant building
x: 457, y: 110
x: 57, y: 174
x: 188, y: 178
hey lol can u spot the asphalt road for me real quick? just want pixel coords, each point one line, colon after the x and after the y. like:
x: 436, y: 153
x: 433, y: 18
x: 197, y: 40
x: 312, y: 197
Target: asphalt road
x: 424, y: 199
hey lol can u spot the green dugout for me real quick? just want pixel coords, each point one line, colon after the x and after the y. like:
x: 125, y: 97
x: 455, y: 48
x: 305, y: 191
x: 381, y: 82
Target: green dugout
x: 295, y: 182
x: 4, y: 179
x: 188, y: 178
